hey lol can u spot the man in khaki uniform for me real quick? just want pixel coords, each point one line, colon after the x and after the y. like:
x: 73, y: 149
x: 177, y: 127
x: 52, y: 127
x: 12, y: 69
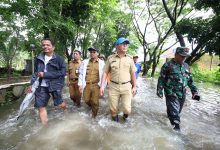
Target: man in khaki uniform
x: 90, y: 78
x: 72, y: 78
x: 122, y: 79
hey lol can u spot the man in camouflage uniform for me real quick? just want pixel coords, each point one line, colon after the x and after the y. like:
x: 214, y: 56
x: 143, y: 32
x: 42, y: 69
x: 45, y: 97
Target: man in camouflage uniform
x: 174, y: 77
x: 122, y: 79
x: 73, y: 74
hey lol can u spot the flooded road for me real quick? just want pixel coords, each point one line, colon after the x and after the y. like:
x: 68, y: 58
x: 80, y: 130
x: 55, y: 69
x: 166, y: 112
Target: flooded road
x: 147, y: 128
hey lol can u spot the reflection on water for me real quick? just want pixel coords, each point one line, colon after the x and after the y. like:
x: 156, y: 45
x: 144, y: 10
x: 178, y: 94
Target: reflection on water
x: 147, y: 128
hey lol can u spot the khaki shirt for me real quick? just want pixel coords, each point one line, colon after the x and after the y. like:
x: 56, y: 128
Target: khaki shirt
x: 73, y: 69
x: 92, y: 72
x: 120, y: 68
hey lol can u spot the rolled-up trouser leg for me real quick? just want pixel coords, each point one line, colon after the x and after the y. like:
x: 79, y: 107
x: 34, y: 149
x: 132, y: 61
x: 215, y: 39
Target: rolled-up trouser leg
x: 174, y: 107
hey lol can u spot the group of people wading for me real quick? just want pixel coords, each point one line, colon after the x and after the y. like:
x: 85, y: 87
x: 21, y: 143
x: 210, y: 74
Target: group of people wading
x: 87, y: 80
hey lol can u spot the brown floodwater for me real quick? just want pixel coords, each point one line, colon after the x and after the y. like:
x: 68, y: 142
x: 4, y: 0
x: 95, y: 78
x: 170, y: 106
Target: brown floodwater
x: 147, y: 127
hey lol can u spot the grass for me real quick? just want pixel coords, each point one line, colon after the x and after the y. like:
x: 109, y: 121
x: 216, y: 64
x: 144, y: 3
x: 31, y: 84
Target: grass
x: 206, y: 75
x: 201, y: 70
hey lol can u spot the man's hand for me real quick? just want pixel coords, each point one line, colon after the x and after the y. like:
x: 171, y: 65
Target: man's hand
x: 102, y: 90
x: 134, y: 91
x: 160, y: 95
x: 195, y: 96
x: 29, y: 89
x: 40, y: 74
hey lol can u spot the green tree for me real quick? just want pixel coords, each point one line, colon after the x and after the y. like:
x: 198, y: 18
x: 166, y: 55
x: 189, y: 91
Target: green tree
x: 9, y: 47
x: 11, y: 38
x: 71, y: 23
x: 174, y: 10
x: 153, y: 30
x: 202, y: 33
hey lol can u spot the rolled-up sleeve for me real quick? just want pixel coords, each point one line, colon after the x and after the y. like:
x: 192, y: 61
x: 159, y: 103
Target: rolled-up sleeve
x: 106, y: 67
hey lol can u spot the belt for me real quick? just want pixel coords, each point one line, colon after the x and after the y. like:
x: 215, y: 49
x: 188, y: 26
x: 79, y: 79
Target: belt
x: 74, y: 79
x: 91, y: 82
x: 120, y: 83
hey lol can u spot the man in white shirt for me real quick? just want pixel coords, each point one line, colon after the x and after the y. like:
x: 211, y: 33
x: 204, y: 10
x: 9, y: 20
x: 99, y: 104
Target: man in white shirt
x: 90, y: 73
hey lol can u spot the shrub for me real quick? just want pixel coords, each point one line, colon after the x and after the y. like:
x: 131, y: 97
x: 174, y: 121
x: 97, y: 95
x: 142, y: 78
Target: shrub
x: 205, y: 74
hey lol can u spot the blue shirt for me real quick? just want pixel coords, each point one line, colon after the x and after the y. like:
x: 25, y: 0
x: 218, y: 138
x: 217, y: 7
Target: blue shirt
x: 138, y: 66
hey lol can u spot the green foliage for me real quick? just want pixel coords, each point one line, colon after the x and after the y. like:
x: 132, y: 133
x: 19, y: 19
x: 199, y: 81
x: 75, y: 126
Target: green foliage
x: 107, y: 24
x: 134, y: 44
x: 206, y: 4
x: 78, y: 10
x: 16, y: 74
x: 10, y: 45
x: 74, y: 23
x: 206, y: 75
x: 204, y: 32
x: 9, y: 97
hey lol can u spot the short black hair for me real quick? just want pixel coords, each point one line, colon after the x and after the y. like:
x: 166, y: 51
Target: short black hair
x: 48, y: 39
x: 76, y: 50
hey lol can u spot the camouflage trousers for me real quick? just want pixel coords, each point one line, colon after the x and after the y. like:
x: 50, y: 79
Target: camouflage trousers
x: 174, y: 108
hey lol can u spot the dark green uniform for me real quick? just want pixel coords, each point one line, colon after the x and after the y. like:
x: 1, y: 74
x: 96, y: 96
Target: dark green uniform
x: 174, y: 78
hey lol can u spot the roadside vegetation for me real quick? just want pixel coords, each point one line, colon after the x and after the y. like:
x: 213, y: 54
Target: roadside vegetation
x: 206, y: 75
x: 207, y: 69
x: 203, y: 70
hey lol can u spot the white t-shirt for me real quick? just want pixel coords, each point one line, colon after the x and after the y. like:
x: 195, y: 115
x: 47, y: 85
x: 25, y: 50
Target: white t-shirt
x: 46, y: 60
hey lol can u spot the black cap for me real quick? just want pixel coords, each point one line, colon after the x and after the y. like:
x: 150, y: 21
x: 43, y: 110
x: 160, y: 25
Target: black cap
x: 93, y: 49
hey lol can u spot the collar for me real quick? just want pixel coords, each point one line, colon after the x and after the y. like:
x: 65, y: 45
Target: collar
x: 176, y: 62
x: 76, y: 61
x: 116, y: 54
x: 42, y: 55
x: 97, y: 60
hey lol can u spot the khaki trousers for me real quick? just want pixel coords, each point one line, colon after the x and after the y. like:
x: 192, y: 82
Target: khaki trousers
x: 119, y: 92
x: 74, y: 92
x: 91, y: 97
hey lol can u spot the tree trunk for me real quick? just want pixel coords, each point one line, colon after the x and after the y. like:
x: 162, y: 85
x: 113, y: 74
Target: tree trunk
x: 45, y: 18
x: 180, y: 38
x: 173, y: 20
x: 197, y: 57
x: 148, y: 64
x: 154, y: 66
x: 154, y: 62
x: 145, y: 64
x: 9, y: 71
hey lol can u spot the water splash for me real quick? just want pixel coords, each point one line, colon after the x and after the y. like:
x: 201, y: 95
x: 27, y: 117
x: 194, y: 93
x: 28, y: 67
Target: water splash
x: 147, y: 128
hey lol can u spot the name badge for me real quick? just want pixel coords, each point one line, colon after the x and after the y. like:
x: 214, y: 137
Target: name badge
x: 77, y: 71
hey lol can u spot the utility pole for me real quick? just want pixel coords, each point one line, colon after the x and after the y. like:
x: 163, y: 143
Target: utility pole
x: 211, y: 54
x: 32, y: 47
